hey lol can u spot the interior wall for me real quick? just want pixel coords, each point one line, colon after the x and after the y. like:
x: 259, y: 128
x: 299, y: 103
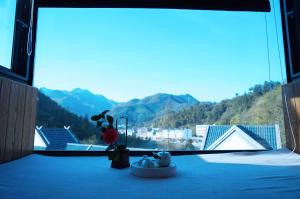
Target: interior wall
x: 17, y: 119
x: 291, y: 92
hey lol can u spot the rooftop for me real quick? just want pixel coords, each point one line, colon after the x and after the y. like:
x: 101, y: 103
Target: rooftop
x: 57, y: 138
x: 266, y: 135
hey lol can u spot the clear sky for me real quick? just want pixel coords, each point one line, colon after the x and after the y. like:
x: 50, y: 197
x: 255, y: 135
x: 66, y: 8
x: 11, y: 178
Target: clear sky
x: 133, y: 53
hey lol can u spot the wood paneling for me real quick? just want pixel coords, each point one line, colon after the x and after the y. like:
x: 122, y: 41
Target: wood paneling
x: 297, y: 113
x: 291, y: 95
x: 17, y: 119
x: 21, y: 90
x: 4, y: 103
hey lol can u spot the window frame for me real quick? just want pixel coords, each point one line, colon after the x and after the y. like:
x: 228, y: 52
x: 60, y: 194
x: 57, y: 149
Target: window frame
x: 288, y: 10
x: 229, y: 5
x: 137, y: 153
x: 21, y: 68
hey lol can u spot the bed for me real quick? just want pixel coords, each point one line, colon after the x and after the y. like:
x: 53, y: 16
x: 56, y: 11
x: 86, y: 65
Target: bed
x: 272, y: 174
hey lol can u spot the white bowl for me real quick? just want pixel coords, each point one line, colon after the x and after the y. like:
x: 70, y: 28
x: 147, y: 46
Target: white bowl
x: 160, y: 172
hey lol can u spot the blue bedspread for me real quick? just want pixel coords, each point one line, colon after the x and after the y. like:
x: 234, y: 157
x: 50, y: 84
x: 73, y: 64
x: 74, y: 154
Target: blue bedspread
x: 271, y: 175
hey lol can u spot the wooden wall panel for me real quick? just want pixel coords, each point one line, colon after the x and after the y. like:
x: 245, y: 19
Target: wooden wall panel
x: 21, y: 90
x: 297, y: 113
x: 11, y: 119
x: 28, y: 128
x: 4, y: 102
x: 2, y: 122
x: 291, y: 92
x: 17, y: 119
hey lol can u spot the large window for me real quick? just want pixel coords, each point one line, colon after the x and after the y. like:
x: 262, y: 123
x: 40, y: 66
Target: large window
x: 7, y: 26
x: 16, y: 40
x: 185, y: 79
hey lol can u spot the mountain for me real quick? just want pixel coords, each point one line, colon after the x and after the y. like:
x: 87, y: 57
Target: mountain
x: 83, y: 102
x: 80, y: 101
x: 144, y: 110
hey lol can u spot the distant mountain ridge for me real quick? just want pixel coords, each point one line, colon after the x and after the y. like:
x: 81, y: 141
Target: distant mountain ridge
x: 144, y: 110
x: 83, y: 102
x: 79, y: 101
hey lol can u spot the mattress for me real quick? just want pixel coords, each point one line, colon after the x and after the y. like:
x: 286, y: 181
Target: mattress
x: 272, y: 174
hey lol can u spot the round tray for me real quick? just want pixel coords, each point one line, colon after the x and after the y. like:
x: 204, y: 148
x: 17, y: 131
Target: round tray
x: 161, y: 172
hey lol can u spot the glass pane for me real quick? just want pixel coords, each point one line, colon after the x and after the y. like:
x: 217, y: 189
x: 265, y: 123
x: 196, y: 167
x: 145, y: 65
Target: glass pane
x: 7, y: 23
x: 185, y: 79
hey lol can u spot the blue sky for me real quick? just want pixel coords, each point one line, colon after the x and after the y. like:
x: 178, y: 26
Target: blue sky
x: 133, y: 53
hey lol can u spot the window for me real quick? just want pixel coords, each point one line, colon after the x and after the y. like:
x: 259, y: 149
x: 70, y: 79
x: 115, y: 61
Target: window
x: 185, y: 79
x: 16, y: 41
x: 7, y: 26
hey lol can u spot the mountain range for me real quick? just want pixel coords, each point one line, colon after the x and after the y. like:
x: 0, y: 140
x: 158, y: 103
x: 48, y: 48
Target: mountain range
x: 85, y: 103
x: 79, y: 101
x: 261, y: 104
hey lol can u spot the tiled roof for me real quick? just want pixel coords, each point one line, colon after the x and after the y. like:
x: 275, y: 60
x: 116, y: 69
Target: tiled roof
x: 263, y: 134
x: 57, y: 138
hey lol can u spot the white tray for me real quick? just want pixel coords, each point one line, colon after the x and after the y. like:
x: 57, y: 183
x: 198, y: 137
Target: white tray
x: 161, y: 172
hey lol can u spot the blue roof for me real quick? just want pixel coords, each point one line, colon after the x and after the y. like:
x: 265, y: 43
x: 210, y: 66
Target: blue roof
x: 57, y: 138
x: 214, y: 132
x: 84, y: 147
x: 263, y: 134
x: 77, y: 147
x: 42, y: 148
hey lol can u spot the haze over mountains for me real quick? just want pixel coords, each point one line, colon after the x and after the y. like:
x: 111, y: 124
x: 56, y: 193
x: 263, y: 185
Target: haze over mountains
x: 83, y: 102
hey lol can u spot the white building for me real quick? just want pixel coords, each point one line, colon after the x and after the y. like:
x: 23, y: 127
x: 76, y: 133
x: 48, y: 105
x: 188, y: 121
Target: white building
x: 201, y: 130
x: 130, y: 132
x: 142, y: 133
x: 175, y: 134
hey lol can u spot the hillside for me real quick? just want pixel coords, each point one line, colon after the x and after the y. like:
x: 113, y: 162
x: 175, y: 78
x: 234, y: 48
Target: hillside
x: 51, y: 115
x: 262, y: 104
